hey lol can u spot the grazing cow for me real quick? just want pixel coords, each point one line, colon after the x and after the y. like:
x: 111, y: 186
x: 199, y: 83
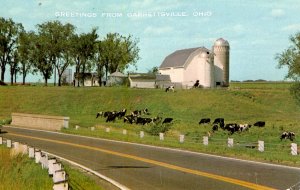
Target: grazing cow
x: 232, y: 127
x: 136, y: 113
x: 130, y: 119
x: 244, y: 127
x: 196, y: 85
x: 170, y: 88
x: 143, y: 121
x: 215, y: 127
x: 111, y: 117
x: 99, y: 114
x: 121, y: 113
x: 204, y: 121
x: 260, y: 124
x: 287, y: 135
x: 107, y: 113
x: 167, y: 120
x: 220, y: 122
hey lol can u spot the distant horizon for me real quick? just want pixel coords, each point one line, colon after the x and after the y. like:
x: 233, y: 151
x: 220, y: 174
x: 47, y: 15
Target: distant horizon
x: 256, y: 30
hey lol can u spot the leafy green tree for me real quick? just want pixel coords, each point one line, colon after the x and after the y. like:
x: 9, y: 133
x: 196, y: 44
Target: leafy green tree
x: 117, y: 52
x: 26, y: 46
x: 84, y: 52
x: 13, y: 63
x: 290, y: 58
x: 9, y: 33
x: 41, y: 56
x: 57, y: 37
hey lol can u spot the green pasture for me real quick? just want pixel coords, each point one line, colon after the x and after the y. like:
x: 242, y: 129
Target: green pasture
x: 241, y: 103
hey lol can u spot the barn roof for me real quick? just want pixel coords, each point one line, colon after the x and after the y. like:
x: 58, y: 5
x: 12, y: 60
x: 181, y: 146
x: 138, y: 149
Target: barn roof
x: 180, y: 57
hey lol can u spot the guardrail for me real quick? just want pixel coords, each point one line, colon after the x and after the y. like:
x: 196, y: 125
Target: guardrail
x: 53, y: 165
x: 259, y: 145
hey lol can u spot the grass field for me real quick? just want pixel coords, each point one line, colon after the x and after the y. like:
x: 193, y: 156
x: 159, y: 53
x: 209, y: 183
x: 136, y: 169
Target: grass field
x: 241, y: 103
x: 20, y: 172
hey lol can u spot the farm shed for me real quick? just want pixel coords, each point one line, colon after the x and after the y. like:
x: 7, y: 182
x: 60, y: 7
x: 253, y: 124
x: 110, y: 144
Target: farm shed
x: 116, y: 78
x: 142, y: 80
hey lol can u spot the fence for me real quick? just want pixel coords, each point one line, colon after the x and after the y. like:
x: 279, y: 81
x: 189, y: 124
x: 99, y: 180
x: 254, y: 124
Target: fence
x: 53, y: 165
x: 260, y: 145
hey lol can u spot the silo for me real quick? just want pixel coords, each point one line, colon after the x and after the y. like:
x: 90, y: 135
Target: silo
x: 208, y: 69
x: 221, y: 60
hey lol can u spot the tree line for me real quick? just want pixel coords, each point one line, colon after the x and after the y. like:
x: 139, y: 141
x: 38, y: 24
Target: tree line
x: 55, y: 46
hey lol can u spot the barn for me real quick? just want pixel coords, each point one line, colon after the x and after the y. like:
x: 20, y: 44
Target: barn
x: 209, y: 66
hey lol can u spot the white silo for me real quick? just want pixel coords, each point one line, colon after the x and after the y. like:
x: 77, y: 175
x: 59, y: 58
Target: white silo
x: 221, y: 61
x: 208, y: 69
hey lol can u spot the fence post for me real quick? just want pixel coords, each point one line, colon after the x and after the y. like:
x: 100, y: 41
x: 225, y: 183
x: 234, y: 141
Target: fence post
x: 142, y: 134
x: 161, y: 136
x: 205, y: 140
x: 294, y: 149
x: 31, y: 152
x: 107, y: 130
x: 261, y: 146
x: 8, y: 143
x: 181, y: 138
x: 230, y: 142
x: 124, y: 132
x: 37, y: 155
x: 1, y: 140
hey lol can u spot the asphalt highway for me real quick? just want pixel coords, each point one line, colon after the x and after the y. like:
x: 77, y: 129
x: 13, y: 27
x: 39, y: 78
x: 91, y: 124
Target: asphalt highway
x: 146, y: 167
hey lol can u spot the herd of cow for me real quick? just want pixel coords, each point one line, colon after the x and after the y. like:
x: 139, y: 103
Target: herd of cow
x: 138, y: 117
x: 134, y: 117
x: 234, y: 127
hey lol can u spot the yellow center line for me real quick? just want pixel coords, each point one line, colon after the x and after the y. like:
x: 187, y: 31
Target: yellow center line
x: 162, y: 164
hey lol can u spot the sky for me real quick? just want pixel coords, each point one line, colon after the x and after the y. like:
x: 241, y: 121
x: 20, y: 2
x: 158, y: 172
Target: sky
x: 256, y: 30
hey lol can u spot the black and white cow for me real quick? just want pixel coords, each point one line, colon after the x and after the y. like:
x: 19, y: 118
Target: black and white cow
x: 215, y: 127
x: 288, y: 135
x: 232, y: 127
x: 259, y: 123
x: 170, y: 88
x: 196, y: 85
x: 244, y: 127
x: 122, y: 113
x: 112, y: 116
x: 99, y: 114
x: 204, y: 121
x: 130, y: 119
x: 167, y: 120
x: 220, y: 122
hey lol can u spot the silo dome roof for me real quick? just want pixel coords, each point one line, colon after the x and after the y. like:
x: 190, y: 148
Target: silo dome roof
x: 221, y: 42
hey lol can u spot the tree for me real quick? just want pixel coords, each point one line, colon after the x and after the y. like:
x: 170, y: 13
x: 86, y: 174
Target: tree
x: 117, y: 52
x: 13, y: 63
x: 290, y: 58
x: 84, y: 52
x: 154, y: 70
x: 57, y: 37
x: 41, y: 56
x: 25, y: 51
x: 9, y: 33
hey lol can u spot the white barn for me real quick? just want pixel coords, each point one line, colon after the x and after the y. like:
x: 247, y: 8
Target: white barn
x: 210, y: 67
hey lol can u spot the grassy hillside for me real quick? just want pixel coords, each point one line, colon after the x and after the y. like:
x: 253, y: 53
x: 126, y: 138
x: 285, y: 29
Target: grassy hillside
x: 241, y: 103
x: 20, y: 172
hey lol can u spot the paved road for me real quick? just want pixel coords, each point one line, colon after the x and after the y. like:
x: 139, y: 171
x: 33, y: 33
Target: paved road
x: 145, y: 167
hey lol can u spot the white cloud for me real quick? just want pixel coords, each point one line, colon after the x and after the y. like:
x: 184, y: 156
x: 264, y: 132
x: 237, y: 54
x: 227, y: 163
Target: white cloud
x: 292, y: 28
x: 277, y: 13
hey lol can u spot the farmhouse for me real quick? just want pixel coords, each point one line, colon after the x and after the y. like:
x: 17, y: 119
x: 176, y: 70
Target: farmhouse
x: 209, y: 67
